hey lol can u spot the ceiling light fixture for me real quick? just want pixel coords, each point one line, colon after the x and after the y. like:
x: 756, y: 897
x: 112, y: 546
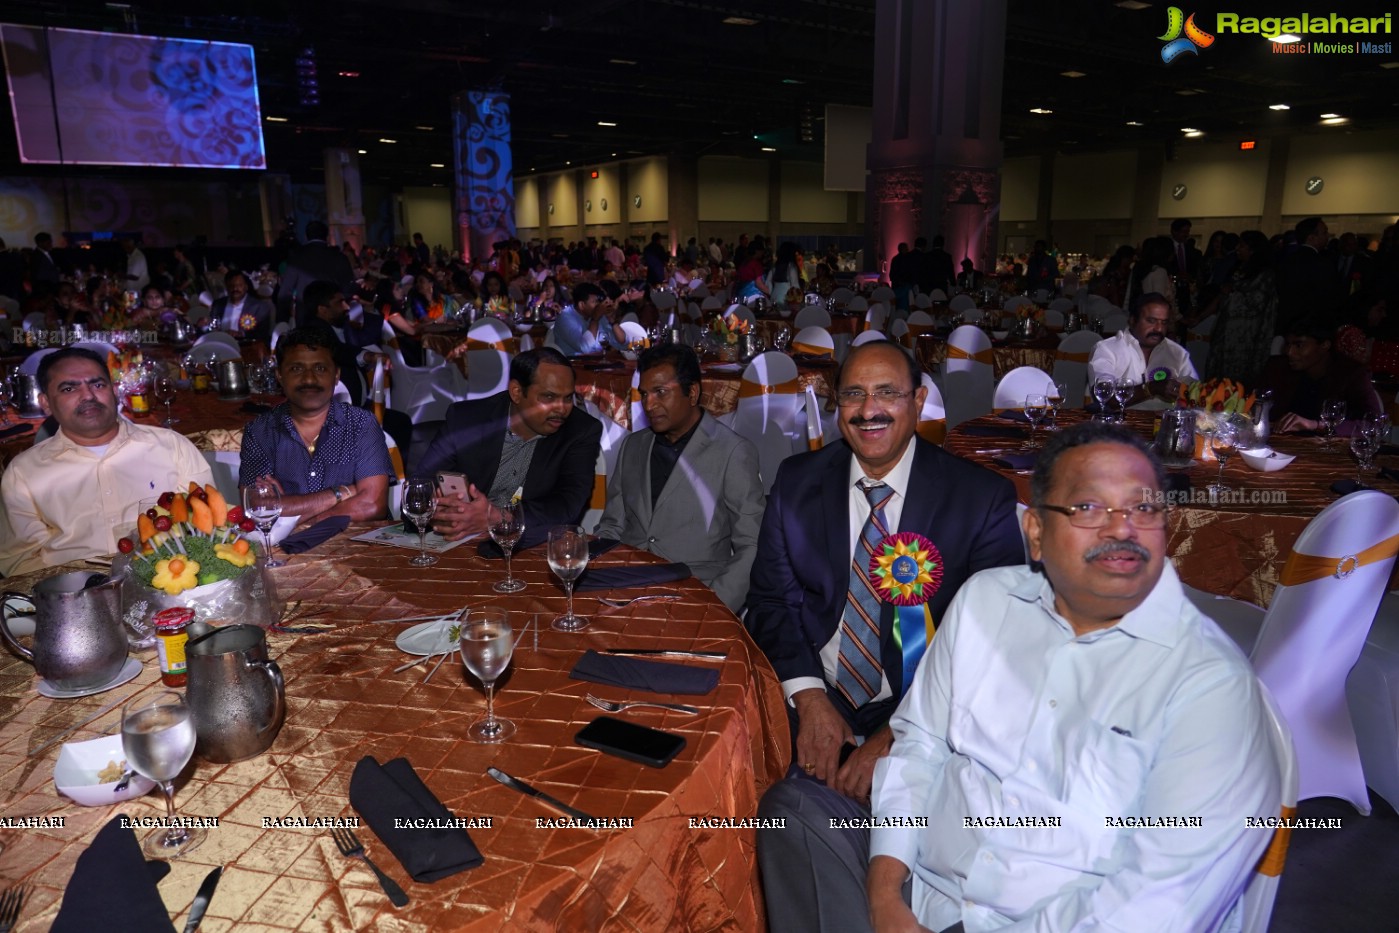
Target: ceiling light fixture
x: 1188, y: 129
x: 1284, y: 38
x: 1135, y: 123
x: 362, y: 151
x: 1279, y: 106
x: 739, y: 21
x: 1132, y: 5
x: 768, y: 149
x: 1194, y: 134
x: 605, y: 123
x: 1329, y: 116
x: 1040, y: 110
x: 1073, y: 74
x: 792, y: 81
x: 389, y: 141
x: 1393, y: 64
x: 436, y: 165
x: 1189, y: 92
x: 1335, y: 121
x: 276, y: 119
x: 425, y: 129
x: 349, y: 74
x: 621, y: 61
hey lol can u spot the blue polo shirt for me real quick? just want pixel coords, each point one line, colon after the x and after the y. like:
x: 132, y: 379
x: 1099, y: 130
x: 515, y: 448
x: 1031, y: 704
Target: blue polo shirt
x: 350, y: 448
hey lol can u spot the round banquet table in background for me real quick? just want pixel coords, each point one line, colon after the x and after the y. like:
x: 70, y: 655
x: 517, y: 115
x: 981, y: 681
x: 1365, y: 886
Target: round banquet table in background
x: 931, y: 350
x: 1235, y: 549
x: 345, y: 701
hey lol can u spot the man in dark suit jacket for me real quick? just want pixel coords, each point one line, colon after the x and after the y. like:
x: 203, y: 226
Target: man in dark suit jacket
x: 1184, y: 266
x: 802, y: 598
x: 528, y: 438
x: 313, y: 261
x: 934, y: 266
x: 1307, y: 281
x: 240, y: 306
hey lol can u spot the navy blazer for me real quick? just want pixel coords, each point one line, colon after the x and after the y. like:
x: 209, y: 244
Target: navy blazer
x: 559, y: 483
x: 801, y: 576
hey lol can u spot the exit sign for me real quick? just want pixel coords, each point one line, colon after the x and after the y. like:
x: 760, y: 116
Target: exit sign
x: 1247, y: 144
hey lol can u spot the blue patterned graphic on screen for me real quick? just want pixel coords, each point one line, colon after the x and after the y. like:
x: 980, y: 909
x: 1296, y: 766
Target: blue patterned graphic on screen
x: 485, y: 170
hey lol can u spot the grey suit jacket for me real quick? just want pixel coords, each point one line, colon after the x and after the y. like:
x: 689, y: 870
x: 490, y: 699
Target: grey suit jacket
x: 707, y: 516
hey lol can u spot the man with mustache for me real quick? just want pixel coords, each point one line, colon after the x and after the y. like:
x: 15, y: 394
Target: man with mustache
x: 327, y: 457
x: 837, y: 646
x: 72, y: 495
x: 1082, y: 745
x: 528, y: 442
x: 1132, y: 354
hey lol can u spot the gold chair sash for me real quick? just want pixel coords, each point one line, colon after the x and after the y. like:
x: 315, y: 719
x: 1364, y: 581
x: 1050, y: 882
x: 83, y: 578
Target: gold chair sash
x: 1308, y: 568
x: 1072, y: 357
x: 811, y: 349
x: 1276, y: 853
x: 748, y: 389
x: 599, y: 497
x: 981, y: 356
x: 503, y: 346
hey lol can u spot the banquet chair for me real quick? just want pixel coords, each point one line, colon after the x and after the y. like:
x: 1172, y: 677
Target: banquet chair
x: 516, y: 294
x: 663, y: 301
x: 932, y: 417
x: 639, y: 420
x: 712, y: 303
x: 1071, y: 365
x: 898, y: 330
x: 967, y: 379
x: 883, y: 294
x: 1277, y: 346
x: 938, y: 295
x: 1061, y: 305
x: 550, y: 338
x: 526, y: 343
x: 489, y: 333
x: 1014, y: 303
x: 841, y: 296
x: 815, y: 431
x: 1314, y: 631
x: 597, y: 499
x: 962, y: 303
x: 868, y: 336
x: 1018, y: 383
x: 699, y: 291
x: 815, y: 341
x: 1041, y: 295
x: 630, y: 317
x: 35, y: 320
x: 769, y: 411
x: 224, y: 465
x: 924, y: 301
x: 1262, y: 888
x: 206, y: 299
x: 876, y: 317
x: 279, y: 332
x: 214, y: 352
x: 1372, y: 693
x: 1114, y: 321
x: 1054, y: 318
x: 487, y: 372
x: 812, y: 316
x: 1095, y: 305
x: 422, y: 392
x: 692, y: 310
x: 1197, y: 342
x: 921, y: 317
x: 612, y: 434
x: 857, y: 304
x: 633, y: 331
x: 216, y: 336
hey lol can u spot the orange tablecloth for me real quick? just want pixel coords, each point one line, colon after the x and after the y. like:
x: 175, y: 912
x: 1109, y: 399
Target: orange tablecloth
x: 345, y: 701
x: 1234, y: 549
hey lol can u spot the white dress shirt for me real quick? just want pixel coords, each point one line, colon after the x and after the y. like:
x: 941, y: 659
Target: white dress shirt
x: 897, y: 480
x: 63, y: 501
x: 138, y: 276
x: 231, y: 313
x: 1011, y: 715
x: 1122, y: 357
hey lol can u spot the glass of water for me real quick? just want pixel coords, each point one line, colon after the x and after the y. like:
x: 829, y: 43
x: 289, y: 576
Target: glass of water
x: 486, y: 646
x: 568, y: 558
x: 419, y: 505
x: 262, y: 502
x: 157, y: 737
x: 506, y: 530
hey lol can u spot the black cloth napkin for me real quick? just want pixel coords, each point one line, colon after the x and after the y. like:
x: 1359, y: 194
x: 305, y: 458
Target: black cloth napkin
x: 1387, y: 473
x: 17, y: 429
x: 1014, y: 461
x: 613, y: 578
x: 112, y: 888
x: 1344, y: 487
x: 1388, y: 450
x: 640, y: 674
x: 1010, y: 414
x: 255, y: 408
x: 1177, y: 484
x: 393, y: 791
x: 318, y: 533
x: 990, y: 430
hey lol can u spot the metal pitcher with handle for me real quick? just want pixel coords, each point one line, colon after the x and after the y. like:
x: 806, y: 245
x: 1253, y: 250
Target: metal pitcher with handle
x: 235, y: 692
x: 79, y: 641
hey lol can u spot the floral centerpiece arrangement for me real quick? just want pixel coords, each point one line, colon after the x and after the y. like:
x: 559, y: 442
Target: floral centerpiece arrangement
x: 1217, y: 396
x: 728, y: 329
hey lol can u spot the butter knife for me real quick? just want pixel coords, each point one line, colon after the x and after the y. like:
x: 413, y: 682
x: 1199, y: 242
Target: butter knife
x: 667, y: 653
x: 516, y: 784
x: 202, y: 899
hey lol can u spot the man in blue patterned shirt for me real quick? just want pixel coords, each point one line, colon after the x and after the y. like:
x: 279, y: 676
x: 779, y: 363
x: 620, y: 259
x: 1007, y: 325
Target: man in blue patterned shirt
x: 328, y: 457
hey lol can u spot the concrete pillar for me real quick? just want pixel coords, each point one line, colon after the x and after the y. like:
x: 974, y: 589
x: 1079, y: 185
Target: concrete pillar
x: 274, y: 193
x: 344, y: 200
x: 483, y: 171
x: 935, y: 154
x: 682, y: 198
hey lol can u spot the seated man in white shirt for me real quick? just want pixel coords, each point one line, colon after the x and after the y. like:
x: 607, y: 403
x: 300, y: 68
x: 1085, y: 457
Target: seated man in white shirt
x: 1134, y: 354
x: 1084, y: 745
x: 71, y: 496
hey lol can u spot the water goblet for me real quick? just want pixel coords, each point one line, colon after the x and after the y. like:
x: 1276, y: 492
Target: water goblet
x: 1333, y: 412
x: 568, y: 558
x: 165, y: 393
x: 1058, y: 396
x: 1036, y: 407
x: 506, y: 529
x: 1123, y: 393
x: 1222, y: 442
x: 782, y: 339
x: 419, y: 505
x: 262, y: 502
x: 157, y: 737
x: 486, y: 646
x: 1377, y: 425
x: 1104, y: 388
x: 1363, y: 444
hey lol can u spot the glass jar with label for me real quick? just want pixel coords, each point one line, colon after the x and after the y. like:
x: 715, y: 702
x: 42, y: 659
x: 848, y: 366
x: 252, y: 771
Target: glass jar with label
x: 170, y: 625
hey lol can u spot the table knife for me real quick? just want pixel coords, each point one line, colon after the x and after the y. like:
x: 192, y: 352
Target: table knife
x: 667, y: 653
x: 516, y: 784
x: 202, y: 899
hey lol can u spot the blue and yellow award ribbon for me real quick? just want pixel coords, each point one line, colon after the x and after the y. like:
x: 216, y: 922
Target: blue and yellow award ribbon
x: 906, y: 571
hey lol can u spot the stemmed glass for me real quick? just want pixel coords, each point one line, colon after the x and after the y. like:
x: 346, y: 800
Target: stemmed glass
x: 1036, y: 407
x: 505, y: 532
x: 1363, y: 444
x: 6, y: 396
x: 1104, y: 388
x: 1058, y: 398
x: 157, y: 737
x: 1377, y: 425
x: 1123, y: 392
x: 486, y: 646
x: 419, y: 505
x: 1333, y: 412
x: 782, y: 339
x: 165, y: 392
x: 1222, y: 442
x: 568, y: 558
x: 262, y: 502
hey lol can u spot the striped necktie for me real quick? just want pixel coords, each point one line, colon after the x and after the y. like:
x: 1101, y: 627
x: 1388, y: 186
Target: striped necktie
x: 858, y: 677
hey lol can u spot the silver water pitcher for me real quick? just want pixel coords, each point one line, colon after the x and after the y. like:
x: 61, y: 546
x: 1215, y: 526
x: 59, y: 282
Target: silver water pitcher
x: 236, y: 694
x: 79, y: 641
x: 27, y: 392
x: 233, y: 379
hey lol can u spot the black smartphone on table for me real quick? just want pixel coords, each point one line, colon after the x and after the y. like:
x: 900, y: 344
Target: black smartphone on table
x: 630, y: 741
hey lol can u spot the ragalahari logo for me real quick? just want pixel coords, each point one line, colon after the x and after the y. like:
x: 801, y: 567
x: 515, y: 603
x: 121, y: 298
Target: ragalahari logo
x: 1177, y: 44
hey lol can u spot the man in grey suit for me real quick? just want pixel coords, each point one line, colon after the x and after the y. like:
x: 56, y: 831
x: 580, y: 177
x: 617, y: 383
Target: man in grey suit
x: 687, y: 489
x: 241, y: 312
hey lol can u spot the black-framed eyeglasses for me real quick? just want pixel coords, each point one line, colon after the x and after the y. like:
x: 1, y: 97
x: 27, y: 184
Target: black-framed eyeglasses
x: 1146, y: 516
x: 854, y: 398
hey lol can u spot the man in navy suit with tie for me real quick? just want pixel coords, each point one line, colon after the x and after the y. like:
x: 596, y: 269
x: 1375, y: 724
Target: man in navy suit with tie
x: 837, y: 646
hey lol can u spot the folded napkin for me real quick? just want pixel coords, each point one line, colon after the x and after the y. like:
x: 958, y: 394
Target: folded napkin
x: 17, y: 429
x: 393, y: 791
x: 1014, y: 461
x: 613, y: 578
x: 1344, y: 487
x: 112, y: 887
x: 1010, y: 414
x: 1388, y: 450
x: 990, y: 430
x: 318, y: 533
x: 1177, y: 484
x: 1387, y: 473
x: 255, y: 408
x: 640, y: 674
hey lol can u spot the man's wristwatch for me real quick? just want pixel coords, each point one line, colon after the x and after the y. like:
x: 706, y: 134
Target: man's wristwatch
x: 338, y: 495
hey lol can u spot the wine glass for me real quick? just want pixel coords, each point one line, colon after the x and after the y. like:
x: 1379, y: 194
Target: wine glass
x: 1036, y: 407
x: 506, y: 530
x: 782, y: 339
x: 6, y: 396
x: 419, y: 505
x: 1104, y: 388
x: 568, y: 558
x: 165, y: 392
x: 262, y: 502
x: 1333, y: 412
x: 1377, y: 425
x: 1222, y: 442
x: 486, y: 646
x: 1363, y: 444
x: 157, y: 737
x: 1058, y: 398
x: 1123, y: 392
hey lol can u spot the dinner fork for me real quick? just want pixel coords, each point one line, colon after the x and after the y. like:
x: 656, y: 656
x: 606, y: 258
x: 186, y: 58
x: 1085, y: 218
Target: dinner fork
x: 350, y: 847
x: 619, y: 603
x: 11, y: 903
x: 616, y: 706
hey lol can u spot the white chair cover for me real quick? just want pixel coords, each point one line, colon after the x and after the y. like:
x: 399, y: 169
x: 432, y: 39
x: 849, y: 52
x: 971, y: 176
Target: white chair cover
x: 491, y: 331
x: 712, y: 303
x: 224, y: 464
x: 639, y: 420
x: 898, y: 330
x: 1061, y: 305
x: 1071, y: 365
x: 214, y: 351
x: 876, y: 317
x: 883, y: 294
x: 812, y: 316
x: 550, y: 338
x: 814, y: 340
x: 962, y: 303
x: 840, y: 296
x: 938, y: 295
x: 1197, y: 342
x: 422, y: 392
x: 1041, y: 295
x: 630, y: 317
x: 1114, y: 321
x: 1096, y: 305
x: 967, y: 377
x: 692, y: 311
x: 487, y: 372
x: 742, y: 312
x: 633, y: 331
x: 1018, y: 383
x: 217, y: 336
x: 932, y: 417
x: 868, y: 336
x: 857, y: 303
x: 921, y: 317
x: 769, y: 411
x: 1372, y: 693
x: 663, y: 301
x: 1262, y: 887
x: 1054, y: 318
x: 30, y: 366
x: 35, y: 320
x: 699, y: 291
x: 279, y: 332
